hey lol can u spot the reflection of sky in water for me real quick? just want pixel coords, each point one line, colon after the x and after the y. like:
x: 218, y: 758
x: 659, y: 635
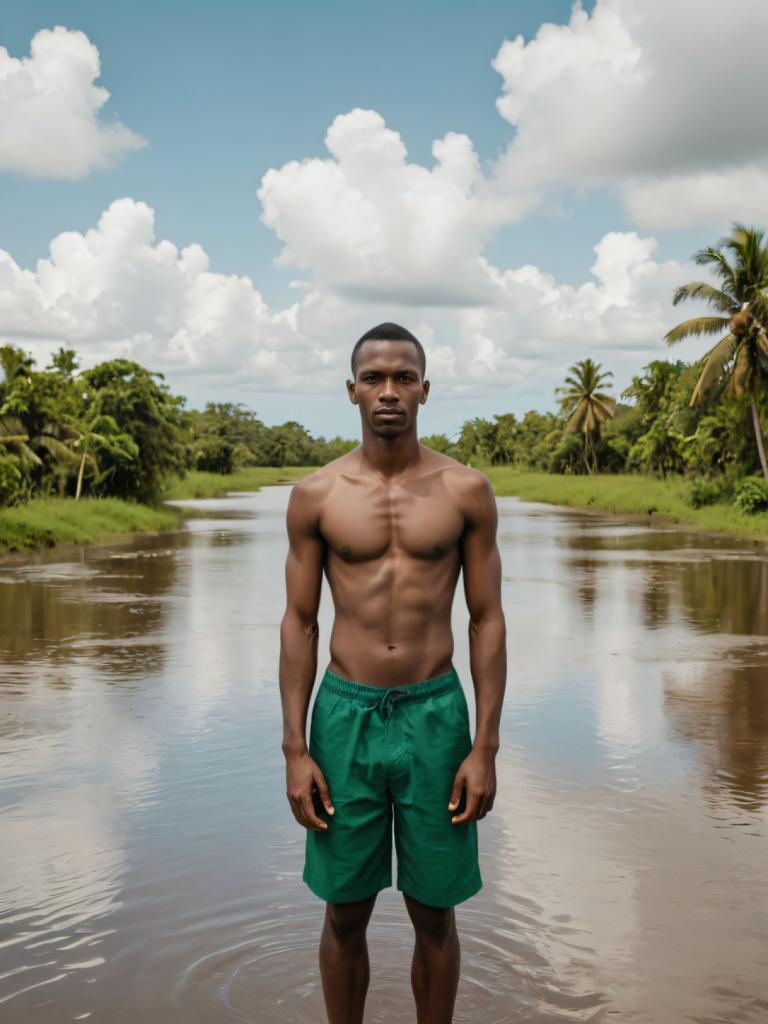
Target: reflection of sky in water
x: 145, y: 829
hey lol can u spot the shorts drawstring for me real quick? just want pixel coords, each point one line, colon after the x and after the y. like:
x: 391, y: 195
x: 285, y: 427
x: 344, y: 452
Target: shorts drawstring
x: 388, y: 700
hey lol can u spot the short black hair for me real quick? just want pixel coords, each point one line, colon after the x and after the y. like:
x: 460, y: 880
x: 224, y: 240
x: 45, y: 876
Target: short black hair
x: 389, y: 332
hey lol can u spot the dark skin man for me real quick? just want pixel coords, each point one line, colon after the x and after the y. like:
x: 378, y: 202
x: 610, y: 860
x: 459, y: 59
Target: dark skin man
x: 392, y: 524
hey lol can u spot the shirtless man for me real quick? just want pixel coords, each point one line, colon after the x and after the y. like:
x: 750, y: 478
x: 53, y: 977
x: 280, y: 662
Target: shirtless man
x: 392, y: 523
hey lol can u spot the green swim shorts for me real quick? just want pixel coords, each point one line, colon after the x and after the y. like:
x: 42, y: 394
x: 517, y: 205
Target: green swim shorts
x: 391, y: 752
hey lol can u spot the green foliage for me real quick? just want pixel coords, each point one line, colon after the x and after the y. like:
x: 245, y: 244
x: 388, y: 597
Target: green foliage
x: 586, y: 407
x: 568, y: 456
x: 216, y: 455
x: 440, y: 443
x: 752, y: 496
x: 704, y: 492
x: 737, y: 363
x: 11, y: 481
x: 144, y: 410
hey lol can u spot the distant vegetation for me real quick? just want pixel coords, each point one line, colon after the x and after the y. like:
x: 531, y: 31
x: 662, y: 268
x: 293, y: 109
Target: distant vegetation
x: 117, y: 431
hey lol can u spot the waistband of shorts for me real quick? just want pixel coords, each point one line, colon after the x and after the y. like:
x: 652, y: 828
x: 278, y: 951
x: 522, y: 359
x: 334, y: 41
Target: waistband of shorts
x: 405, y: 691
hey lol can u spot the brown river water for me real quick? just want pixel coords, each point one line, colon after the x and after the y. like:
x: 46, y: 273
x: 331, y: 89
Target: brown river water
x: 150, y: 868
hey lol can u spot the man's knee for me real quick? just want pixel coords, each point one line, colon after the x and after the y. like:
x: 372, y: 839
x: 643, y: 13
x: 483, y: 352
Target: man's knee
x: 435, y: 924
x: 348, y: 921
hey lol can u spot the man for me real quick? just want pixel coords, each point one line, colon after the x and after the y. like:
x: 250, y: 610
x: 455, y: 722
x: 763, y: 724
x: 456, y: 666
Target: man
x: 392, y: 523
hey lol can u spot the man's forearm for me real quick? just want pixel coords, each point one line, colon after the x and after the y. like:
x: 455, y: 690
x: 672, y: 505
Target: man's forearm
x: 488, y: 663
x: 298, y: 666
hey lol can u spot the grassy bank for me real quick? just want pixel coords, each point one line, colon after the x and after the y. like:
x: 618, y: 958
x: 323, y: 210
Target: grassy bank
x: 628, y: 494
x: 48, y: 521
x: 214, y: 485
x: 44, y: 522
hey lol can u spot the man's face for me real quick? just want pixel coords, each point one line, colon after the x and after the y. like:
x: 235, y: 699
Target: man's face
x: 388, y: 386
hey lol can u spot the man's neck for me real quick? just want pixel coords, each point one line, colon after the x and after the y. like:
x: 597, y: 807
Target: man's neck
x: 389, y: 457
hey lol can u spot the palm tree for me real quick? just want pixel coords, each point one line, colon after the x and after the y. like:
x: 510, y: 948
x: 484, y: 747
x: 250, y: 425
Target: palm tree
x: 14, y: 363
x: 741, y: 355
x: 586, y: 407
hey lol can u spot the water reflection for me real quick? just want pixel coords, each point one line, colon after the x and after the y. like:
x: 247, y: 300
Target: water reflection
x: 150, y: 864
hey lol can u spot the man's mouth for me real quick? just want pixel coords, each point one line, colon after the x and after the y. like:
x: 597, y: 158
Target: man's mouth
x: 388, y: 412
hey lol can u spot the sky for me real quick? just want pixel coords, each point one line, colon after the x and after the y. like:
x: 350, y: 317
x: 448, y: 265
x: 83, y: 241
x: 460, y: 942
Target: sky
x: 232, y: 193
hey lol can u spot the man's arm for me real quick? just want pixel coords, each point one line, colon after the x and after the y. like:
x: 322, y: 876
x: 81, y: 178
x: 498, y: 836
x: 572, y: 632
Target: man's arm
x: 481, y: 564
x: 298, y: 655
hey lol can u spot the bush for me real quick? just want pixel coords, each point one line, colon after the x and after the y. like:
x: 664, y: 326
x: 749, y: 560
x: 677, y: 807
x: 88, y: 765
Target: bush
x: 752, y: 495
x: 10, y: 482
x: 704, y: 492
x: 213, y: 455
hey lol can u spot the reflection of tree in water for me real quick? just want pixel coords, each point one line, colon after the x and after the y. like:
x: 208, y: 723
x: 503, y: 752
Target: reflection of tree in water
x: 726, y: 595
x: 657, y: 596
x: 584, y: 571
x: 723, y: 711
x: 106, y: 609
x: 714, y: 595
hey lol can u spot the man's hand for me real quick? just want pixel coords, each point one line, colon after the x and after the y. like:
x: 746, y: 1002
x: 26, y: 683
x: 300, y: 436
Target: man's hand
x: 304, y: 777
x: 478, y: 773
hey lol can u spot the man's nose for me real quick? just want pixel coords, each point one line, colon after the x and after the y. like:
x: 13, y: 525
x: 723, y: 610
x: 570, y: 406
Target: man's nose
x: 389, y: 391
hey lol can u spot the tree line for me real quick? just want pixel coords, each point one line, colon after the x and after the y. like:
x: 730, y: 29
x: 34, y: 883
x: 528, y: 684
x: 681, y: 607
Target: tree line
x: 117, y: 430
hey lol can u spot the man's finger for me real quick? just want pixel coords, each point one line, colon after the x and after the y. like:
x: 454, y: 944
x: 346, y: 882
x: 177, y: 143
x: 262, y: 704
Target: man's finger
x: 322, y: 787
x: 470, y: 811
x: 458, y: 785
x: 296, y: 809
x: 313, y: 822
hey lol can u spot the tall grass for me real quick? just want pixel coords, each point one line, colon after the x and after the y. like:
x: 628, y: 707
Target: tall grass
x: 627, y: 493
x: 251, y: 478
x: 44, y: 522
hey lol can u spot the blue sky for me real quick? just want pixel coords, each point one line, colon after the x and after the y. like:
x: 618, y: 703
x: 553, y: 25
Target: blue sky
x: 223, y: 93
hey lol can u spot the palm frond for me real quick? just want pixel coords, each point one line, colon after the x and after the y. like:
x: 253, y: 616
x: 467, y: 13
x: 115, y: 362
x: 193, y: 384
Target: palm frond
x: 720, y: 266
x: 699, y: 325
x: 713, y: 363
x: 701, y: 290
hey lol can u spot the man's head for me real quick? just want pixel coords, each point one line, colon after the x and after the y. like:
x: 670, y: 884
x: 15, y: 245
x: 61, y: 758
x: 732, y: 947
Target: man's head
x: 388, y: 366
x: 388, y: 332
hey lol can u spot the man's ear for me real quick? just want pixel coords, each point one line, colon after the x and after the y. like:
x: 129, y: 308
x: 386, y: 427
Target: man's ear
x: 425, y: 391
x: 352, y: 392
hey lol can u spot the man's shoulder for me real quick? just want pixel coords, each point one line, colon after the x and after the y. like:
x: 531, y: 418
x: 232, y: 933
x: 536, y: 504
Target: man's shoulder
x: 466, y: 479
x: 317, y: 484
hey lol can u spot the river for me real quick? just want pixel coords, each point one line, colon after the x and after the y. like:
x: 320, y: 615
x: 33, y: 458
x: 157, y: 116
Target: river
x: 150, y: 868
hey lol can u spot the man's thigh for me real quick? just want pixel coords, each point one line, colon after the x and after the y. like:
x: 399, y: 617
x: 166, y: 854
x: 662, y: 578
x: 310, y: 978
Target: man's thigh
x: 352, y: 859
x: 437, y: 862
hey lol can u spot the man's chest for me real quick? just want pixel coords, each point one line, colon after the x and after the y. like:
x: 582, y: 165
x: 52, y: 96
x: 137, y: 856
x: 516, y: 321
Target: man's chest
x: 360, y: 524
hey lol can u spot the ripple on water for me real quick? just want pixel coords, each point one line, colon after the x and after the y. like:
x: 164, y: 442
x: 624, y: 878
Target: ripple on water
x: 267, y: 971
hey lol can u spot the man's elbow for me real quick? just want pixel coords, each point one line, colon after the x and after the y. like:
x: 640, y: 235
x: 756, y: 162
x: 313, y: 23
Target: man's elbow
x: 490, y: 618
x: 300, y: 621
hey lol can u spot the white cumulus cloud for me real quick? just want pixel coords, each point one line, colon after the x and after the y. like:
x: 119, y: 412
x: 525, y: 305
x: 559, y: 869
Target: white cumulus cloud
x: 50, y: 109
x: 663, y: 101
x: 116, y: 289
x: 371, y: 225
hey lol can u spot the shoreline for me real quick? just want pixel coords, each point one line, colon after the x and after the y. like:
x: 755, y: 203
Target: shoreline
x: 53, y: 524
x: 635, y: 497
x: 62, y: 525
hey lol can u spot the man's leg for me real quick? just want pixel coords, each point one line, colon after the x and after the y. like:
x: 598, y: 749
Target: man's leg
x: 436, y: 958
x: 344, y: 966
